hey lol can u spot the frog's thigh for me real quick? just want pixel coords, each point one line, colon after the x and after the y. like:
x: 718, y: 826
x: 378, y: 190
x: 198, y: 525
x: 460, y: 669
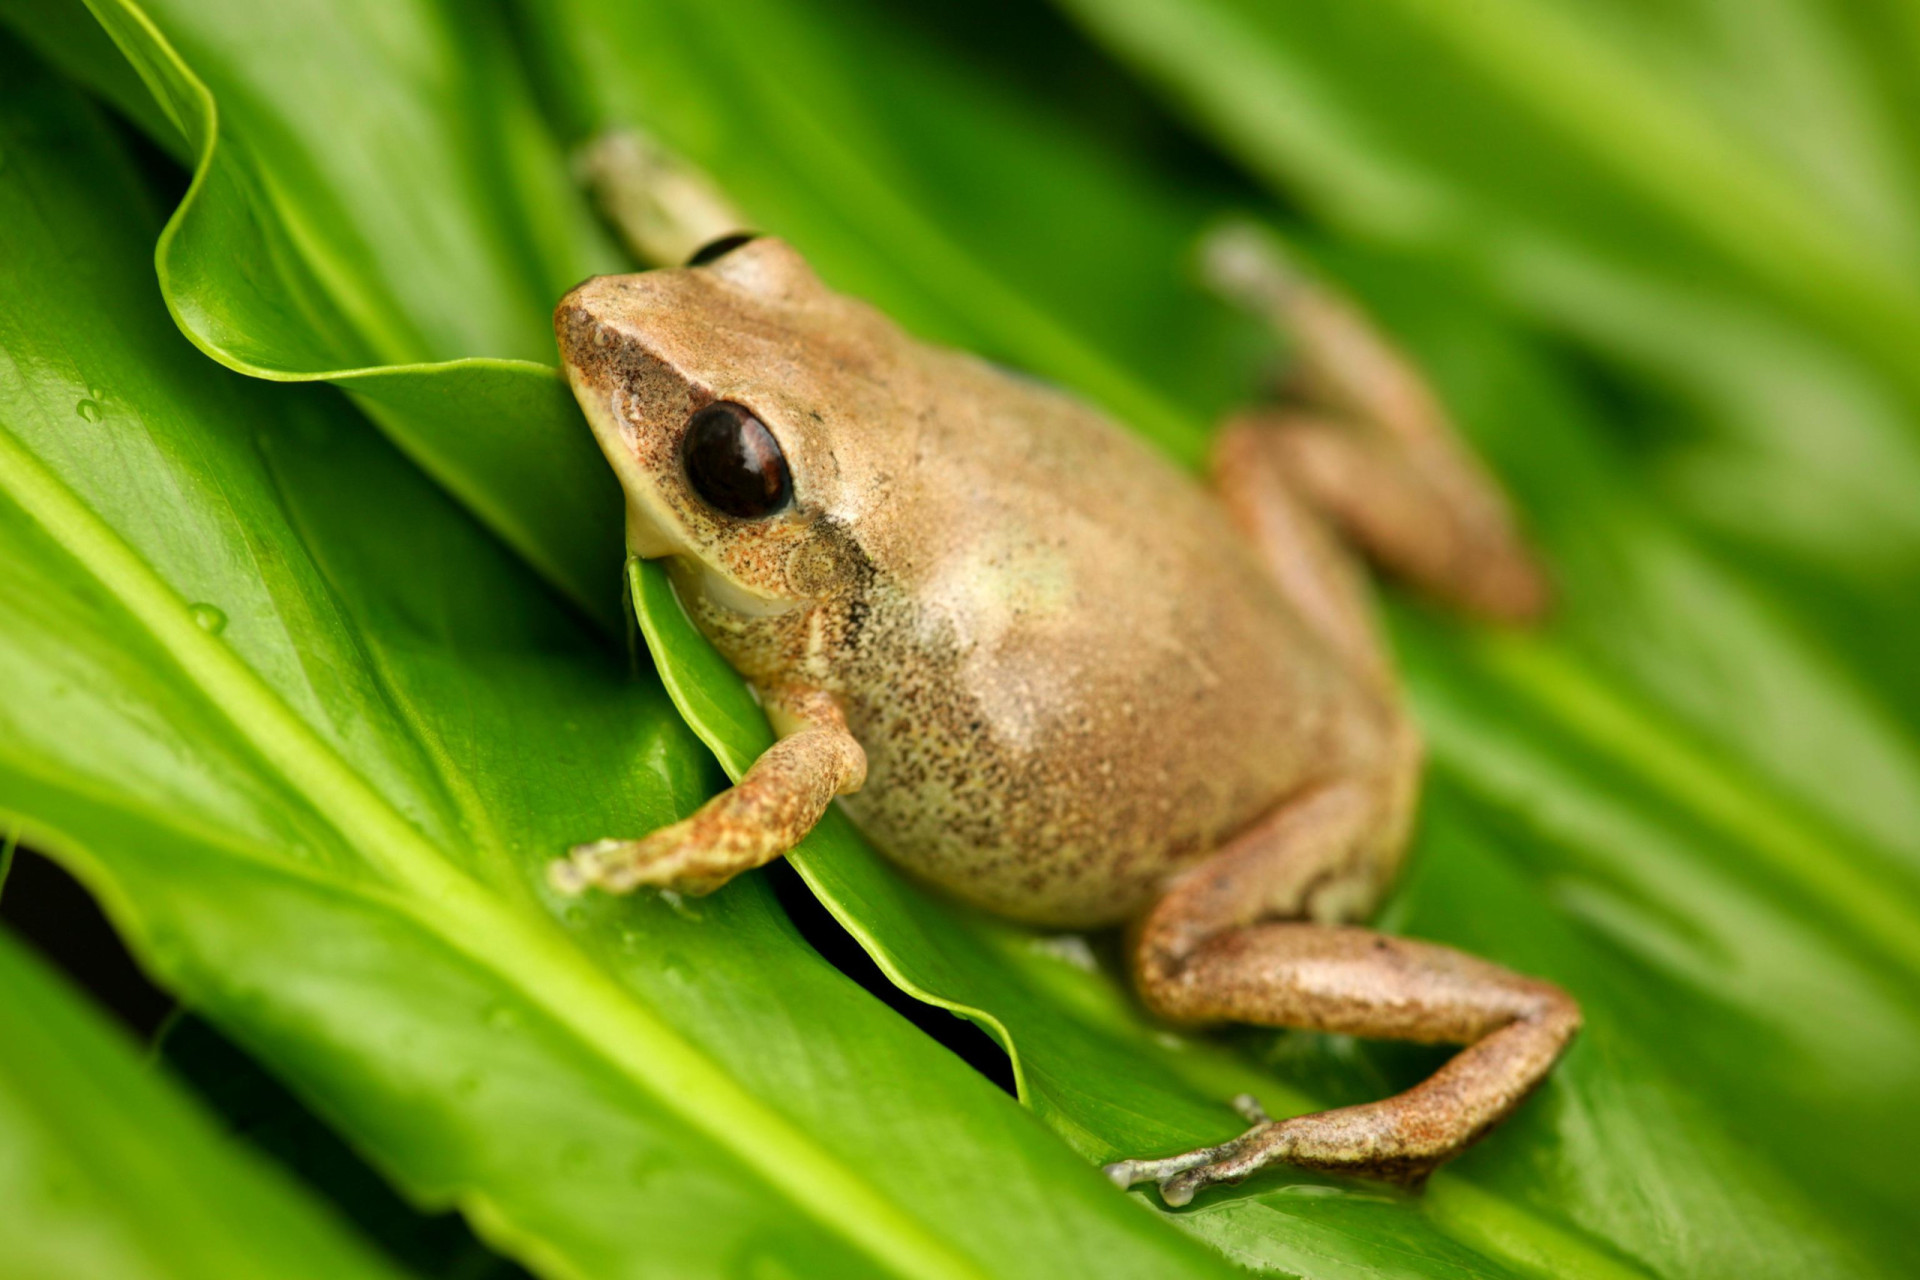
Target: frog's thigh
x: 1419, y: 506
x: 1312, y: 568
x: 1325, y: 855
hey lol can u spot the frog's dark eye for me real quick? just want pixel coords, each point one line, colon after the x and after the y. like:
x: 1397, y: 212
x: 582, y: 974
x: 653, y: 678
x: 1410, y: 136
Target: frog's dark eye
x: 734, y: 463
x: 714, y: 250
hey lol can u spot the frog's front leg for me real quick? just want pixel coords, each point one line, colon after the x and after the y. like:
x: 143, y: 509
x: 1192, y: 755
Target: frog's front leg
x: 751, y: 823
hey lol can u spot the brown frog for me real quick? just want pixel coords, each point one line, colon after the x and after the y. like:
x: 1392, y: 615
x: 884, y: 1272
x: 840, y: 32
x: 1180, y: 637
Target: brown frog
x: 1059, y: 678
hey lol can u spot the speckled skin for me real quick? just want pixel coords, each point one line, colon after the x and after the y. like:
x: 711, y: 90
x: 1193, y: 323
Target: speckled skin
x: 1052, y: 674
x: 1070, y: 676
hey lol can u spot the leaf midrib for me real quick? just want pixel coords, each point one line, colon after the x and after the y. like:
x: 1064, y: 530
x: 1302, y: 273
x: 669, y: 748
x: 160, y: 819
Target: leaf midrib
x: 469, y: 919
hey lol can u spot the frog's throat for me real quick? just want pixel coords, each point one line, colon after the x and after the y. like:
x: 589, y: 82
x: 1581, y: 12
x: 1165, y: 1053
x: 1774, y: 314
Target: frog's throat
x: 694, y: 579
x: 651, y: 538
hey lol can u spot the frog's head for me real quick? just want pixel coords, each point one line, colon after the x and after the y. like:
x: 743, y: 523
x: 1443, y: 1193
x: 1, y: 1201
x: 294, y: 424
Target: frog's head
x: 716, y: 391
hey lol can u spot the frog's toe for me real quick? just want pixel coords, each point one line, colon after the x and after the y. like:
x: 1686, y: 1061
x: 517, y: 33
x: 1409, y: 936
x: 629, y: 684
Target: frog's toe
x: 1128, y: 1173
x: 618, y: 866
x: 1171, y: 1172
x: 567, y: 877
x: 1238, y: 1161
x: 1181, y: 1177
x: 596, y: 864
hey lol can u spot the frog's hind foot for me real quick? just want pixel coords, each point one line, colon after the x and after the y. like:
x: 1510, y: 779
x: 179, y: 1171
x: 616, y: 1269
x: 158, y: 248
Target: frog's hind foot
x: 1355, y: 982
x: 667, y: 859
x: 603, y: 864
x: 1330, y: 1141
x: 1182, y: 1175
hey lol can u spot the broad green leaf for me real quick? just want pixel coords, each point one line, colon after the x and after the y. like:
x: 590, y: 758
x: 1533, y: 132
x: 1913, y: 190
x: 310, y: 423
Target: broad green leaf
x: 110, y: 1172
x: 312, y: 734
x: 249, y: 1101
x: 299, y: 254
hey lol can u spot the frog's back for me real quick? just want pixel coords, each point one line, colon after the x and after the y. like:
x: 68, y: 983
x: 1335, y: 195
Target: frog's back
x: 1071, y: 678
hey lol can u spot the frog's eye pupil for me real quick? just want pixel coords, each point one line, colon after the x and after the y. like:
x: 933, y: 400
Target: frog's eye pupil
x: 714, y: 250
x: 734, y: 463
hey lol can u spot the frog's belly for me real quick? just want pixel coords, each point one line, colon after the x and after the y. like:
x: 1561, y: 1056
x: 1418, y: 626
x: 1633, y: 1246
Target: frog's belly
x: 1068, y: 801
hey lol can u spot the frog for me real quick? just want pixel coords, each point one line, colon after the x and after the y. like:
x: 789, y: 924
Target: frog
x: 1059, y: 677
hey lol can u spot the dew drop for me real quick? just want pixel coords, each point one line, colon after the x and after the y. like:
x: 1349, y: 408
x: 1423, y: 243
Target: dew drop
x: 89, y: 409
x: 209, y: 618
x: 1321, y: 1191
x: 1309, y: 1191
x: 682, y: 905
x: 674, y: 966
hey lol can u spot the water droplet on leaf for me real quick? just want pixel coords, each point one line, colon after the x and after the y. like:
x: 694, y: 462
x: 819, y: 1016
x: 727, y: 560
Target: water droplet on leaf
x: 682, y: 905
x: 88, y: 409
x: 209, y: 618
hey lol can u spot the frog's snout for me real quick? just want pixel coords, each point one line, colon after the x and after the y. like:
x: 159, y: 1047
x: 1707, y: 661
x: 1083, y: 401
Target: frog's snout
x: 579, y: 326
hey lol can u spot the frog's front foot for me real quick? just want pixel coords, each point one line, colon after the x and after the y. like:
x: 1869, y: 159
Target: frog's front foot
x: 1181, y: 1177
x: 670, y: 858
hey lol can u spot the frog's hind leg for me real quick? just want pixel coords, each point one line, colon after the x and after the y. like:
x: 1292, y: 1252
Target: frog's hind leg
x: 1364, y: 441
x: 1203, y: 955
x: 1311, y: 567
x: 1425, y: 511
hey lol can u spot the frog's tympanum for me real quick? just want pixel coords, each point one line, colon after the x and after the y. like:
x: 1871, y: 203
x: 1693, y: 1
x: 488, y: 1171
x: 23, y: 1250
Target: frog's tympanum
x: 1054, y: 675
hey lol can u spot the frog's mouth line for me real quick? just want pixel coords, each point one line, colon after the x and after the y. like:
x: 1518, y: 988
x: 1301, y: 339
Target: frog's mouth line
x: 693, y: 577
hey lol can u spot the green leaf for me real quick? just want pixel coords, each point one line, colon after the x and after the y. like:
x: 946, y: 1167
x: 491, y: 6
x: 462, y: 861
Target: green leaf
x: 252, y: 1103
x: 298, y: 255
x: 111, y: 1173
x: 312, y: 735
